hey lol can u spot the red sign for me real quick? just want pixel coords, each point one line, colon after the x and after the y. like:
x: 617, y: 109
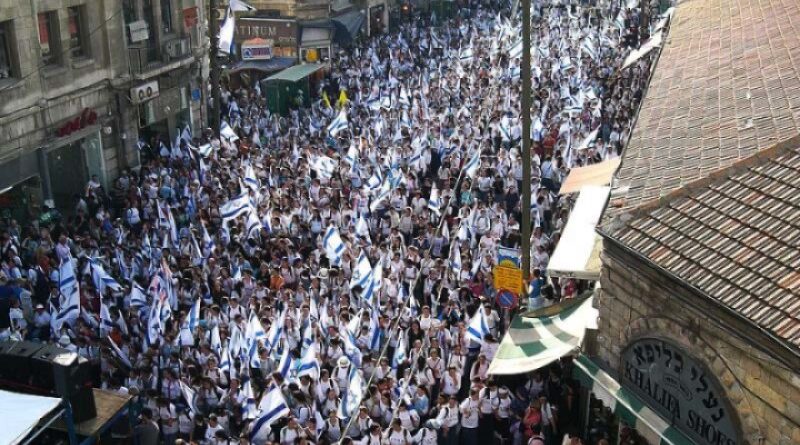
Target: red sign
x: 87, y: 117
x: 190, y: 17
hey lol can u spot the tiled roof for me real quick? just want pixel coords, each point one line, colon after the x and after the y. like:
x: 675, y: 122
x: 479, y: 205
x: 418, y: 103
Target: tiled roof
x: 734, y: 235
x: 709, y: 186
x: 726, y: 85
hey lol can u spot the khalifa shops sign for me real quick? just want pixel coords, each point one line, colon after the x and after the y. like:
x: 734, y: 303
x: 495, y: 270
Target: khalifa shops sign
x: 681, y: 389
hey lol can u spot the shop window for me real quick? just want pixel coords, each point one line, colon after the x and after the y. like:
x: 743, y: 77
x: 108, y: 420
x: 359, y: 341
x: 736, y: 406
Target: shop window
x: 49, y: 40
x: 166, y: 15
x: 78, y: 43
x: 8, y: 65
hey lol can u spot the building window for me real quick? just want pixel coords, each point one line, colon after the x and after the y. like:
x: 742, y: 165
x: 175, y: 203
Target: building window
x: 8, y: 68
x: 77, y: 42
x: 48, y: 38
x: 166, y: 15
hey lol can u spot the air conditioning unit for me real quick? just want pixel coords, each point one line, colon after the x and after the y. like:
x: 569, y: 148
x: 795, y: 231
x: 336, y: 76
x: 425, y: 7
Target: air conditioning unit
x: 177, y: 49
x: 145, y: 92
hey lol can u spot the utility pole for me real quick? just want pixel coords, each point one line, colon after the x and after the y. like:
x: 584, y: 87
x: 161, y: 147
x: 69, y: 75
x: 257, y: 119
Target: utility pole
x: 525, y: 74
x: 213, y: 63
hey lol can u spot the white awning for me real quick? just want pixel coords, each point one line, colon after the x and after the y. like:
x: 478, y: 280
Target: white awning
x: 578, y: 252
x: 315, y: 37
x: 595, y: 174
x: 21, y: 413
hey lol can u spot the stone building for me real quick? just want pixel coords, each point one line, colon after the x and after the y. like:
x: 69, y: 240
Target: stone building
x: 700, y: 300
x: 81, y: 82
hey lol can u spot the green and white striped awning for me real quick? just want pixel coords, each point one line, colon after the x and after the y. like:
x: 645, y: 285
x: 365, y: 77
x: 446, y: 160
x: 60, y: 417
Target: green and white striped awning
x: 626, y: 405
x: 538, y: 338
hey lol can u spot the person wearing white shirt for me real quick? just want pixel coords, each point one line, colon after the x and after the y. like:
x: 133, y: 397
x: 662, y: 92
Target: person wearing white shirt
x: 470, y: 415
x: 451, y: 382
x: 397, y: 435
x: 448, y: 419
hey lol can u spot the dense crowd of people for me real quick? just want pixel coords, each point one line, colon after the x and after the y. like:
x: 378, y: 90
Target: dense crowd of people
x: 326, y: 276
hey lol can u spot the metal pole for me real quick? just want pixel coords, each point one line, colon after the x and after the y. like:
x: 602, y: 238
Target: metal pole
x: 526, y: 142
x: 213, y: 36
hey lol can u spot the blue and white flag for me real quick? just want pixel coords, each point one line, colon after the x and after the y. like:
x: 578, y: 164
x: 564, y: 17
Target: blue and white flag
x: 70, y: 298
x: 235, y: 208
x: 101, y: 278
x: 435, y: 203
x: 121, y: 355
x: 362, y: 229
x: 194, y: 316
x: 226, y: 33
x: 351, y: 399
x: 216, y: 341
x: 362, y: 274
x: 333, y: 245
x: 106, y: 323
x: 471, y: 169
x: 478, y: 328
x: 308, y: 363
x: 254, y: 332
x: 227, y: 132
x: 455, y: 258
x: 338, y: 124
x: 138, y: 296
x: 240, y: 6
x: 250, y: 179
x: 191, y: 398
x: 249, y: 406
x: 272, y: 408
x: 399, y: 352
x: 275, y: 332
x: 375, y: 332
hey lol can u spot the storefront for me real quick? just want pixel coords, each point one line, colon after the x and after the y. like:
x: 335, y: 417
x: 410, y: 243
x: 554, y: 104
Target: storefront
x: 266, y: 38
x: 21, y: 201
x: 162, y: 116
x: 316, y: 41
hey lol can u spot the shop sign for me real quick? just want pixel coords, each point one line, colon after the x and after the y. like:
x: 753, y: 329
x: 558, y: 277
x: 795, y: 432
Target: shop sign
x: 139, y: 31
x: 281, y: 32
x: 190, y: 17
x: 508, y: 278
x: 257, y: 49
x: 680, y: 388
x: 87, y: 118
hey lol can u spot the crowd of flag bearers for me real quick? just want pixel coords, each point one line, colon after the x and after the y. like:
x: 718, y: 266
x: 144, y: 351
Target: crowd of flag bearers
x: 325, y: 277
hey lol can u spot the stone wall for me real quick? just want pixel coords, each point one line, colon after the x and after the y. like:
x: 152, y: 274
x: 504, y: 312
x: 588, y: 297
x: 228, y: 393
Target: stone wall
x: 638, y: 300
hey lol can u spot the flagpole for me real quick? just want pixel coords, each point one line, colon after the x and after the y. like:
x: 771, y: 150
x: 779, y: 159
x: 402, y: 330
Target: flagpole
x: 526, y: 143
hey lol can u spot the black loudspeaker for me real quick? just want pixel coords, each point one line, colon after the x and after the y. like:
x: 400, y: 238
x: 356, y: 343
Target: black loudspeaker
x: 16, y: 363
x: 83, y: 406
x: 42, y: 368
x: 72, y: 379
x: 5, y: 358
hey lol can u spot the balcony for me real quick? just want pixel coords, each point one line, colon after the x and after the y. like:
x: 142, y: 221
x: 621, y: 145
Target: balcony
x: 149, y: 61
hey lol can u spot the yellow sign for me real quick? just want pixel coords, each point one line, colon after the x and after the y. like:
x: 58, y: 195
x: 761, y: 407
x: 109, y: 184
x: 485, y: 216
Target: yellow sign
x: 509, y: 278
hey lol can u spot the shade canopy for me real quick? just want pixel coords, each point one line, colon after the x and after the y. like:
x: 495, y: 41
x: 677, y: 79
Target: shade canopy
x: 626, y: 405
x: 267, y: 66
x: 347, y: 26
x: 577, y: 254
x: 297, y: 72
x: 21, y: 413
x: 532, y: 342
x: 595, y: 174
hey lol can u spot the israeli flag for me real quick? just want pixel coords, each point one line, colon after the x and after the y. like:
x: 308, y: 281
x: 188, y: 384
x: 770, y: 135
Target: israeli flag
x: 399, y: 352
x: 352, y: 155
x: 338, y: 124
x: 216, y: 341
x: 272, y: 408
x: 191, y: 398
x: 362, y: 229
x: 249, y: 407
x: 250, y: 179
x: 194, y: 315
x: 204, y: 150
x: 308, y: 363
x: 275, y: 331
x: 70, y: 300
x: 478, y: 328
x: 352, y: 398
x: 375, y: 332
x: 235, y: 208
x: 455, y: 259
x: 471, y: 169
x: 225, y: 360
x: 334, y: 246
x: 121, y: 355
x: 138, y: 297
x: 226, y: 33
x: 106, y: 323
x: 253, y: 224
x: 101, y: 278
x: 362, y: 274
x: 227, y: 132
x: 240, y: 6
x: 435, y: 203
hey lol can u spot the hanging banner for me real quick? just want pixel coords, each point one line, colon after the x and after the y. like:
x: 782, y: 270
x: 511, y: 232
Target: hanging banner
x: 508, y: 278
x: 508, y: 257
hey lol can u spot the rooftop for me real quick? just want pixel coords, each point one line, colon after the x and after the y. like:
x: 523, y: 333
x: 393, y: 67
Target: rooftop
x: 709, y: 186
x: 727, y: 85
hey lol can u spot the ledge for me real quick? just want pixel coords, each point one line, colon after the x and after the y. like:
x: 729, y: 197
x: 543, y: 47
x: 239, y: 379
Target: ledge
x: 82, y: 62
x: 11, y: 83
x: 53, y: 71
